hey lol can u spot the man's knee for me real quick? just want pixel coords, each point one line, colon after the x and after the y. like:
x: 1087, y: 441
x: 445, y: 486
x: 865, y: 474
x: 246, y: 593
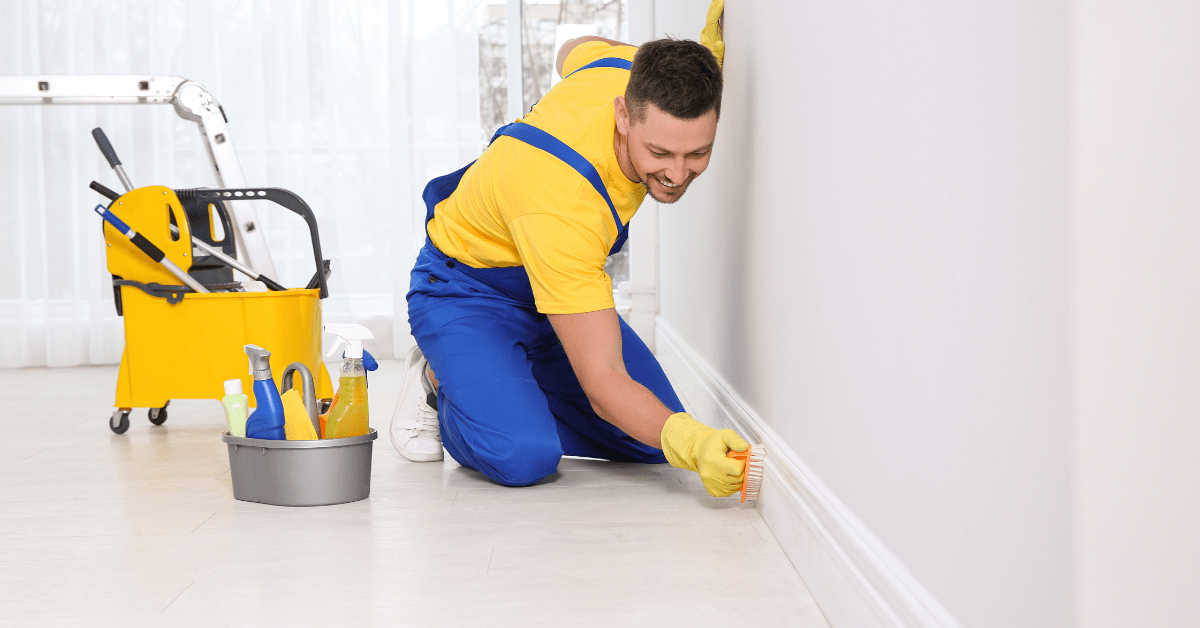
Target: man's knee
x: 525, y: 464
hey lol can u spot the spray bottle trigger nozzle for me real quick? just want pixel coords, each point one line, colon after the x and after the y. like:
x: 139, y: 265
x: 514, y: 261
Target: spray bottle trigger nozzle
x: 350, y: 335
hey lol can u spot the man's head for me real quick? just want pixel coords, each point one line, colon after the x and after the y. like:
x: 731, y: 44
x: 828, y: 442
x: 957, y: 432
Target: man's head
x: 668, y: 116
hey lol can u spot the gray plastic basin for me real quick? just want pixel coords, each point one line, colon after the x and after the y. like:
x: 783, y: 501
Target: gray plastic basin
x: 301, y: 472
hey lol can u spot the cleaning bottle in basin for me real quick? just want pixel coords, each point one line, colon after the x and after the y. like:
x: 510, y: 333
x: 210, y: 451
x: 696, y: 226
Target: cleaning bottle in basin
x: 236, y: 406
x: 268, y: 420
x: 348, y: 416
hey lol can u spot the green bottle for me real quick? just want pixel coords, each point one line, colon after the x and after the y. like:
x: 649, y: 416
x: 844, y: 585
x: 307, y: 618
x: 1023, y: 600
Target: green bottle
x: 235, y: 402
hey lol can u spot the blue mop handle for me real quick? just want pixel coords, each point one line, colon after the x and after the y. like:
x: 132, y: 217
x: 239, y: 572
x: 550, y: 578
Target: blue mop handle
x: 148, y: 247
x: 138, y: 239
x: 119, y: 224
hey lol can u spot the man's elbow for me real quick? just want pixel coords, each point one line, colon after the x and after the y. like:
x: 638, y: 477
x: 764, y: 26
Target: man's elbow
x: 600, y: 384
x: 570, y: 44
x: 563, y: 51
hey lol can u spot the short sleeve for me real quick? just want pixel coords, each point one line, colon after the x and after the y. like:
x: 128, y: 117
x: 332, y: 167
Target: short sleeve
x: 588, y: 52
x: 565, y: 263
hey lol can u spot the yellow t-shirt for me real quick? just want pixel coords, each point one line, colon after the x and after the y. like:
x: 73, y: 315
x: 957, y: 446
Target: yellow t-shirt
x: 521, y: 206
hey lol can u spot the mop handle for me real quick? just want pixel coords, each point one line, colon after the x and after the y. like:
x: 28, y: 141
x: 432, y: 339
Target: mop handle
x: 111, y: 155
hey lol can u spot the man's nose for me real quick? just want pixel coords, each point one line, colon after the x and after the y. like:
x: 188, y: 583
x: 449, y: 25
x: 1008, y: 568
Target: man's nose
x: 677, y: 171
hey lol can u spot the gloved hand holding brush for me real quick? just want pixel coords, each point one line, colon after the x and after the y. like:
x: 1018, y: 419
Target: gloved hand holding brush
x: 689, y: 444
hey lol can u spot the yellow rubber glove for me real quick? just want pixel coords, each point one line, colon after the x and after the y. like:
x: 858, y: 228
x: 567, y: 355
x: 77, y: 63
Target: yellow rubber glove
x: 689, y: 444
x: 711, y: 36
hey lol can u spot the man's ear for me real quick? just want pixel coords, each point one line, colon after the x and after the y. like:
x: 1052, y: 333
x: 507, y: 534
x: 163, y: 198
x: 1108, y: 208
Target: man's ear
x: 622, y: 115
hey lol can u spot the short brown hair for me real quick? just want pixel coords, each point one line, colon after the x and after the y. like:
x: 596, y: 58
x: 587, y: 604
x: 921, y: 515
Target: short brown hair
x: 679, y: 76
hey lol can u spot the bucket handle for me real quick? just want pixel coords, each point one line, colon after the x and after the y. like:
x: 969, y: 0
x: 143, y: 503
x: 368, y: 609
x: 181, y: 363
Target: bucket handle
x: 279, y: 196
x: 308, y: 390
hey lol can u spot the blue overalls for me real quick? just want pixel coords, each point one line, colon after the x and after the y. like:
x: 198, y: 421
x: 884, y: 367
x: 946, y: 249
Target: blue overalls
x: 509, y: 404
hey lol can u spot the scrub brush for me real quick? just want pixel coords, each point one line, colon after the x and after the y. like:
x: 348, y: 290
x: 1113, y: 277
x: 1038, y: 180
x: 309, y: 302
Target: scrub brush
x: 752, y: 481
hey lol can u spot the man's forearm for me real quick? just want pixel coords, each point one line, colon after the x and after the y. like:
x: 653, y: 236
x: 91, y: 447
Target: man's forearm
x: 592, y: 341
x: 620, y: 400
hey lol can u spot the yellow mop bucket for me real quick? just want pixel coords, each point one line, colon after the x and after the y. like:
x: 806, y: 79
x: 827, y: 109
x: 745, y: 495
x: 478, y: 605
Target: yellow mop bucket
x: 183, y: 345
x: 185, y: 350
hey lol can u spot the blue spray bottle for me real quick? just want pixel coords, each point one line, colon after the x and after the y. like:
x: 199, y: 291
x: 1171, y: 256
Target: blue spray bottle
x: 267, y: 421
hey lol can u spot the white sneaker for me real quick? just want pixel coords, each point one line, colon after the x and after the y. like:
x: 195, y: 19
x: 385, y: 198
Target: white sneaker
x: 415, y: 432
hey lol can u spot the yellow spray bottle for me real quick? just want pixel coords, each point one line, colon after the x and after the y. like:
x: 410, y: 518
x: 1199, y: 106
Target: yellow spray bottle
x: 349, y: 416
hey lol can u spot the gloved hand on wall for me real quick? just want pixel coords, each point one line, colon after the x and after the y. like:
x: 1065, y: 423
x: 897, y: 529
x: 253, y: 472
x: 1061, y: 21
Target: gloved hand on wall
x: 711, y: 37
x: 689, y: 444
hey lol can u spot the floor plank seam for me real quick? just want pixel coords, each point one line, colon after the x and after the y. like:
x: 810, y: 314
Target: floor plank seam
x: 177, y: 597
x: 34, y: 454
x: 203, y: 522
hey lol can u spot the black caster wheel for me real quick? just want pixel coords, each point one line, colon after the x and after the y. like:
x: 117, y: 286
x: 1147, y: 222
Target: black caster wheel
x: 119, y: 421
x: 158, y: 416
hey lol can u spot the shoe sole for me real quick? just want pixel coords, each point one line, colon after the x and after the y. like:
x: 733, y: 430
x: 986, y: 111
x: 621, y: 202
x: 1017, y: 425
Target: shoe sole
x: 427, y: 458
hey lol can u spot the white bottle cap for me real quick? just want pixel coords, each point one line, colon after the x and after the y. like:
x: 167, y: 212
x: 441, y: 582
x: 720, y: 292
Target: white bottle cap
x: 233, y: 387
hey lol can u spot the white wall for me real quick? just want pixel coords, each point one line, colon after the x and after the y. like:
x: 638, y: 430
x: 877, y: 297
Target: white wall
x: 878, y: 261
x: 950, y: 255
x: 1136, y: 334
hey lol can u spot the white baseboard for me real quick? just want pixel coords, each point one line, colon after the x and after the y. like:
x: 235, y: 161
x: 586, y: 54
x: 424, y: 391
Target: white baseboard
x: 856, y: 581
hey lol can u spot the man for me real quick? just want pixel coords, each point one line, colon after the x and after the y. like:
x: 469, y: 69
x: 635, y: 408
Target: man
x: 521, y: 357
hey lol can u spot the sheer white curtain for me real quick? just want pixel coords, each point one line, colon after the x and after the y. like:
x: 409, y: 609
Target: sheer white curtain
x: 352, y: 105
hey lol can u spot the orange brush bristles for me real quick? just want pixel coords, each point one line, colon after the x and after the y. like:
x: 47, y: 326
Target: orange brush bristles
x: 752, y: 480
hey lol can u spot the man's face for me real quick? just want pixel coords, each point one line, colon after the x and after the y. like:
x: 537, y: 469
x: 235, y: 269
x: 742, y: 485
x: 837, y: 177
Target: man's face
x: 667, y: 153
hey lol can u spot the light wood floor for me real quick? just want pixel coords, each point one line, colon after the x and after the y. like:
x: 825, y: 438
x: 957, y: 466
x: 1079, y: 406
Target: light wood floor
x: 140, y: 529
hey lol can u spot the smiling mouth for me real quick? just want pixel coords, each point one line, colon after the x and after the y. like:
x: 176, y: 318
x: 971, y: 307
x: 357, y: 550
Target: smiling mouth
x: 665, y: 184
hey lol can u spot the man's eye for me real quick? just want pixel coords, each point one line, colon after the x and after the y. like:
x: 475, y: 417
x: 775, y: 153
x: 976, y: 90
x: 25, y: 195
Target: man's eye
x: 657, y: 154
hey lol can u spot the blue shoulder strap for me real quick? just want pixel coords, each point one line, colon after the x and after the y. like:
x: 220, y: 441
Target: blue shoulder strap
x: 607, y: 62
x: 538, y: 138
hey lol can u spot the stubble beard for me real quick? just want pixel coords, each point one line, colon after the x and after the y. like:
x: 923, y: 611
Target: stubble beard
x: 668, y: 200
x: 645, y: 178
